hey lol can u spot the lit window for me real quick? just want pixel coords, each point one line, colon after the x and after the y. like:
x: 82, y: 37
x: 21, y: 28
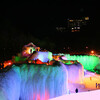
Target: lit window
x: 86, y: 18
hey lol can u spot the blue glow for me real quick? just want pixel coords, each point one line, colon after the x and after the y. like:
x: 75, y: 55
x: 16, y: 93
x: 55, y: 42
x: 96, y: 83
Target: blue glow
x: 75, y: 73
x: 32, y: 82
x: 44, y: 56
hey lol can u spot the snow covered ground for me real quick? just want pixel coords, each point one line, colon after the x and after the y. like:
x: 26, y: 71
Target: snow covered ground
x: 86, y: 90
x: 88, y: 84
x: 90, y: 95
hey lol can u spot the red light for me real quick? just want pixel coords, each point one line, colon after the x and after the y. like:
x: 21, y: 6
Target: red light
x: 9, y: 63
x: 6, y: 63
x: 39, y: 61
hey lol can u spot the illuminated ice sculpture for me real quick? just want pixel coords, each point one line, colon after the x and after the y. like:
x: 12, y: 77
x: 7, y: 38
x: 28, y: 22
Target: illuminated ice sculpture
x: 28, y: 49
x: 43, y: 56
x: 75, y: 73
x: 33, y: 82
x: 89, y: 62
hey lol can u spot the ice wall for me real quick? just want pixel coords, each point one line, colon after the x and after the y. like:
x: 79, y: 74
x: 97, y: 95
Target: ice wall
x: 88, y: 62
x: 10, y: 84
x: 75, y: 73
x: 33, y: 82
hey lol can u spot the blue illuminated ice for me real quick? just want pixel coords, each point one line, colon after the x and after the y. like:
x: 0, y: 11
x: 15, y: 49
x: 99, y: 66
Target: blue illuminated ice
x: 10, y: 84
x: 44, y: 56
x: 75, y: 73
x: 33, y: 82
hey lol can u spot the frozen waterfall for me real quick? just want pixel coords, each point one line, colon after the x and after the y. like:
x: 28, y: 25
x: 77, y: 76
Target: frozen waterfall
x: 33, y: 82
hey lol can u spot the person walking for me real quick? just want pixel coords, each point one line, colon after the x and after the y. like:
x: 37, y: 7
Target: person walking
x: 76, y: 90
x: 96, y: 85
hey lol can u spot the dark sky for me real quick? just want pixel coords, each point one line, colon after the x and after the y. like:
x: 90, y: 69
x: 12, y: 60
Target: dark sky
x: 40, y: 19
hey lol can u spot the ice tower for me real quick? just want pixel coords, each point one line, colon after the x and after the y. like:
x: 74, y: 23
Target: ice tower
x: 26, y: 79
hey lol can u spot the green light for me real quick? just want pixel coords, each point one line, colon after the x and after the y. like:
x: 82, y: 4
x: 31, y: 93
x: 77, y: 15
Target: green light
x: 69, y: 62
x: 18, y: 59
x: 88, y: 62
x: 50, y: 56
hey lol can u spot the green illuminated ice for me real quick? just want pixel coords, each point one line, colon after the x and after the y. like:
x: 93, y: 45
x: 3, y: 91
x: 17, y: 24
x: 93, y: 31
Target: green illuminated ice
x: 88, y: 62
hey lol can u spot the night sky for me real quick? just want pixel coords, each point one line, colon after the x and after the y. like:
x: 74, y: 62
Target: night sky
x: 36, y: 21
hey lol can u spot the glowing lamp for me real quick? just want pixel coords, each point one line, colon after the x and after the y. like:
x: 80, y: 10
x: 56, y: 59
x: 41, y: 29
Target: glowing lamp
x: 92, y: 51
x: 86, y: 18
x: 27, y: 51
x: 7, y: 63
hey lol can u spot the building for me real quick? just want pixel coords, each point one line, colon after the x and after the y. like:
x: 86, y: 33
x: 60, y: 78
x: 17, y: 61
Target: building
x: 74, y: 25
